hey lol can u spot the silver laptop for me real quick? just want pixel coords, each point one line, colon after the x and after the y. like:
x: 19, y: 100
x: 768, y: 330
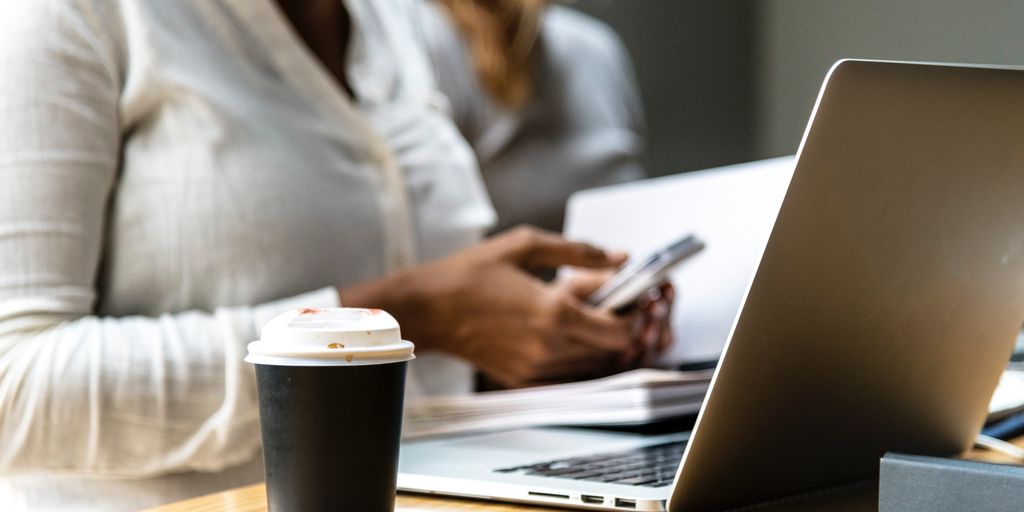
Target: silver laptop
x: 880, y: 317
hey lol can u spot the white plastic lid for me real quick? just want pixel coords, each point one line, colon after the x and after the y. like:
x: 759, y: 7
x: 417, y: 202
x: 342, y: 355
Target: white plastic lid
x: 330, y: 337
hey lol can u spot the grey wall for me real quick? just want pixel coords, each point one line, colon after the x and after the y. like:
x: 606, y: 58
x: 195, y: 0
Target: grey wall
x: 796, y: 41
x: 693, y: 63
x: 726, y: 81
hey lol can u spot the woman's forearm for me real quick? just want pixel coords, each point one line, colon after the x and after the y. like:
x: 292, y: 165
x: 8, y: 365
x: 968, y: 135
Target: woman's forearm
x: 396, y: 294
x: 130, y: 396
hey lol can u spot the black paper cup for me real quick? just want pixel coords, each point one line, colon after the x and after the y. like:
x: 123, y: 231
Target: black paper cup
x: 330, y: 419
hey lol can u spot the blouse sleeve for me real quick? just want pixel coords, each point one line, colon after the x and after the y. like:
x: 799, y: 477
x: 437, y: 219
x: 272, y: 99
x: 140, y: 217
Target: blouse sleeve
x: 79, y: 393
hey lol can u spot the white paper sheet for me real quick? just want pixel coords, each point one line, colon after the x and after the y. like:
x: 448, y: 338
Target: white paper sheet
x: 1008, y: 397
x: 633, y: 397
x: 731, y: 208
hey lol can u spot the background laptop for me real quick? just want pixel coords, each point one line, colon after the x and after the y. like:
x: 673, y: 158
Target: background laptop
x: 732, y: 209
x: 880, y: 317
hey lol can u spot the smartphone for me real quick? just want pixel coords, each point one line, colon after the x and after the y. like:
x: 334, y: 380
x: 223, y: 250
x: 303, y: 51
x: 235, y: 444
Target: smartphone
x: 638, y: 276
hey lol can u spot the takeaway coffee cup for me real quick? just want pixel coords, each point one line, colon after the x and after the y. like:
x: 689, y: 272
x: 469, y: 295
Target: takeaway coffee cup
x: 330, y: 385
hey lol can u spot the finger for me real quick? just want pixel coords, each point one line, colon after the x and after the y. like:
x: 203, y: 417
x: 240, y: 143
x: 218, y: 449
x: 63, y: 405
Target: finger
x: 659, y: 310
x: 597, y: 328
x: 583, y: 284
x: 628, y: 360
x: 648, y: 331
x: 644, y: 301
x: 667, y: 337
x: 534, y: 248
x: 651, y: 314
x: 668, y: 291
x: 649, y: 334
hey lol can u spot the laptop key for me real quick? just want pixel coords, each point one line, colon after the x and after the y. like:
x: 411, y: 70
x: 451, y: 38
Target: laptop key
x: 651, y: 466
x: 639, y: 480
x: 608, y: 478
x: 554, y: 472
x: 587, y: 474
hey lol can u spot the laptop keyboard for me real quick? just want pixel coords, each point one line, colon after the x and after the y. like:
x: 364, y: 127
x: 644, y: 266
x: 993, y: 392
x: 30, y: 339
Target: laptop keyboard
x: 650, y: 466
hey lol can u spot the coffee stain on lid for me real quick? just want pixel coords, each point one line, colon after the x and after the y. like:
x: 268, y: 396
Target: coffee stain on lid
x: 308, y: 311
x: 336, y: 345
x: 348, y: 358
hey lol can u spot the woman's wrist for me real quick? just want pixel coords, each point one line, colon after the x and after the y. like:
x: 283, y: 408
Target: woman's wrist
x: 384, y: 293
x: 392, y: 293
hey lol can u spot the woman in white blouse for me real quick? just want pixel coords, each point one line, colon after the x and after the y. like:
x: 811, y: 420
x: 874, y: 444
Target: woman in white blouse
x: 172, y: 174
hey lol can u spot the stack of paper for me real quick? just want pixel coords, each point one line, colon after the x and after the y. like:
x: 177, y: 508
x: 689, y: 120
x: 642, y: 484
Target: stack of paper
x: 633, y: 397
x: 1008, y: 398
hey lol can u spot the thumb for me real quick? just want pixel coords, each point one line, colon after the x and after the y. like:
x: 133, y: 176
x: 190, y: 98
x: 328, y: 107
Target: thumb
x: 584, y: 283
x: 537, y: 249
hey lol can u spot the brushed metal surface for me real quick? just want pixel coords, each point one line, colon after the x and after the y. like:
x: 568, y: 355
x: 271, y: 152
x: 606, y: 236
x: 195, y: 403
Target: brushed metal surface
x: 888, y: 298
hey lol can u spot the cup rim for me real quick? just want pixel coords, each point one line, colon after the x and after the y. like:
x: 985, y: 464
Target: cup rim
x: 265, y: 353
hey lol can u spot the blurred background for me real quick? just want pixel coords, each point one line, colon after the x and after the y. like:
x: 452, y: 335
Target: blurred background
x: 727, y: 81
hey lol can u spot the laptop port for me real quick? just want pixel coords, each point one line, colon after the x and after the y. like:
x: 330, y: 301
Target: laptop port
x: 592, y: 500
x: 624, y: 503
x: 548, y: 495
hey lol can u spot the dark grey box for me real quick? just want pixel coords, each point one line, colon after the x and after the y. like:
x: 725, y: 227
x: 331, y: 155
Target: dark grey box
x: 912, y: 483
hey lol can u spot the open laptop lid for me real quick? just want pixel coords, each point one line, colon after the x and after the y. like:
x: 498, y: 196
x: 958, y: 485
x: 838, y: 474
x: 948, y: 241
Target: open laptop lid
x: 889, y: 295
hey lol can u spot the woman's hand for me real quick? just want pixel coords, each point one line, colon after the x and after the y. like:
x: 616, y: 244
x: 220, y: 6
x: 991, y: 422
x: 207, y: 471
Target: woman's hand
x: 654, y: 332
x: 652, y: 329
x: 486, y: 305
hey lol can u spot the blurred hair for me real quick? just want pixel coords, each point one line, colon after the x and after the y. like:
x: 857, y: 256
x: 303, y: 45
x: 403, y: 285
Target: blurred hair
x: 500, y: 35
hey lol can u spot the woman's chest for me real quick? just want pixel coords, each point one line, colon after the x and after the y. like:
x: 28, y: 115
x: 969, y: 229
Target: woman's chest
x: 238, y: 175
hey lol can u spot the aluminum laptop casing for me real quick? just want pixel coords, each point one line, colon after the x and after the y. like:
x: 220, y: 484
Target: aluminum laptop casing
x: 887, y: 301
x: 882, y: 312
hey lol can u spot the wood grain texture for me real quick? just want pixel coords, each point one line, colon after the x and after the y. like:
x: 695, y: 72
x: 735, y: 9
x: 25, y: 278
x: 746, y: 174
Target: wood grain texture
x: 253, y: 498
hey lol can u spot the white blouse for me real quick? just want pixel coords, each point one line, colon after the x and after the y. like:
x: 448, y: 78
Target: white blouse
x: 173, y: 174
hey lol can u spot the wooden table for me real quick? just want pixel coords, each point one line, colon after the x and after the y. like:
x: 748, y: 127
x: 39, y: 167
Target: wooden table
x: 254, y: 499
